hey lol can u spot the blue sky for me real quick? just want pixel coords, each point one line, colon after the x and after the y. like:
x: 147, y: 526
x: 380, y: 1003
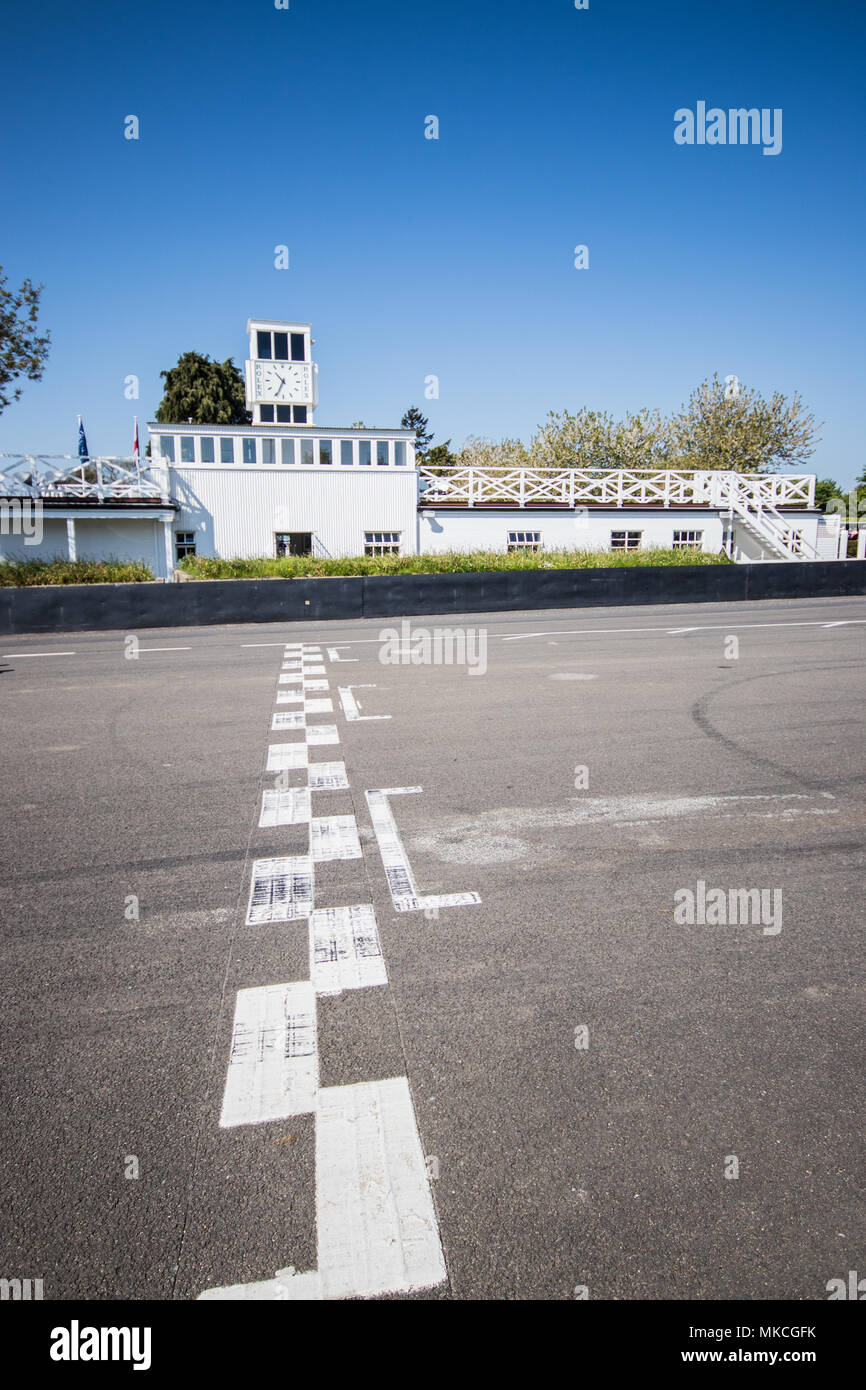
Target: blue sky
x: 453, y: 257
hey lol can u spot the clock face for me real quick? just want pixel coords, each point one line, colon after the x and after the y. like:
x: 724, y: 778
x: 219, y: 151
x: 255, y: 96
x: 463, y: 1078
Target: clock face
x: 283, y: 382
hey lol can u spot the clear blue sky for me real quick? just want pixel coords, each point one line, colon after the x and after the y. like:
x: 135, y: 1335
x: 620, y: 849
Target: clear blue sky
x: 455, y: 257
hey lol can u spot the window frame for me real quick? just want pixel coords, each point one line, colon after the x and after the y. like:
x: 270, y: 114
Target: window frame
x: 382, y: 542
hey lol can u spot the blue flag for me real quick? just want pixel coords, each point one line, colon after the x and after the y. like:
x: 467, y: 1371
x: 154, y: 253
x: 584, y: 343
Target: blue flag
x: 82, y: 441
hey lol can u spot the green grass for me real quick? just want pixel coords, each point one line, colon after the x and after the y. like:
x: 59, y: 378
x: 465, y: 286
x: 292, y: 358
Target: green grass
x: 449, y: 562
x: 26, y: 573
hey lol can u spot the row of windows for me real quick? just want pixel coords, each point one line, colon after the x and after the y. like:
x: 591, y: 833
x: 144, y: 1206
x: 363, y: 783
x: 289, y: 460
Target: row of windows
x: 388, y: 542
x: 285, y: 414
x: 300, y: 543
x: 619, y: 540
x: 307, y: 453
x: 280, y: 347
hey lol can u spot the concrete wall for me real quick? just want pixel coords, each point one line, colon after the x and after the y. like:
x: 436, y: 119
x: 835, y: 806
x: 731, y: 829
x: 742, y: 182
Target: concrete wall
x: 130, y: 607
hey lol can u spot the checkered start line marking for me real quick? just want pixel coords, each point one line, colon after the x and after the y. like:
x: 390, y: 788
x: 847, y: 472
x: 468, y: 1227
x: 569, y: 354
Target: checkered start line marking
x: 376, y: 1223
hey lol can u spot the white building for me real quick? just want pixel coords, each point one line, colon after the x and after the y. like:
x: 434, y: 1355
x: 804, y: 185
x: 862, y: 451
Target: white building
x: 286, y: 485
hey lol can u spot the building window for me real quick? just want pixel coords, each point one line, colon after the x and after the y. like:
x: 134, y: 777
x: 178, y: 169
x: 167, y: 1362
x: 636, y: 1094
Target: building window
x: 227, y: 450
x: 794, y: 539
x: 326, y: 451
x: 187, y: 449
x: 263, y: 348
x: 688, y: 540
x: 266, y: 414
x: 166, y: 447
x: 524, y: 540
x: 399, y: 453
x: 381, y: 542
x: 298, y: 347
x: 364, y: 452
x: 382, y: 453
x: 293, y: 543
x: 269, y: 451
x: 288, y: 450
x: 281, y: 347
x: 284, y: 414
x: 306, y: 453
x: 625, y: 540
x: 206, y: 444
x: 184, y: 544
x: 249, y: 450
x: 300, y: 415
x: 346, y: 453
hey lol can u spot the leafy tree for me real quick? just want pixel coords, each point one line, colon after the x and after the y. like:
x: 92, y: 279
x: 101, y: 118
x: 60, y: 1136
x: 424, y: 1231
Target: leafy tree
x: 825, y: 490
x: 206, y: 392
x: 744, y: 433
x: 414, y: 420
x: 594, y: 439
x: 489, y: 453
x: 22, y: 351
x: 440, y: 456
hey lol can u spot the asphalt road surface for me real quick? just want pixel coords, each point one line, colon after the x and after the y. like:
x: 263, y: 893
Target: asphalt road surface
x: 605, y: 1099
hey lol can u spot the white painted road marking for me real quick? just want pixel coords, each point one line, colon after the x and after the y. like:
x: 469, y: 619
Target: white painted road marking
x: 396, y: 862
x: 281, y: 890
x: 318, y: 705
x: 345, y: 952
x: 290, y: 697
x: 377, y: 1230
x: 322, y: 733
x: 274, y: 1065
x: 286, y: 1285
x: 314, y: 684
x: 286, y: 806
x: 709, y: 627
x: 324, y: 777
x: 334, y: 837
x: 289, y: 719
x: 333, y: 655
x: 286, y: 755
x: 20, y: 656
x: 351, y: 708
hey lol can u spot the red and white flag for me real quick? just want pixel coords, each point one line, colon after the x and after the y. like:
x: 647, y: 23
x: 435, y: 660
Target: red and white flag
x: 135, y: 452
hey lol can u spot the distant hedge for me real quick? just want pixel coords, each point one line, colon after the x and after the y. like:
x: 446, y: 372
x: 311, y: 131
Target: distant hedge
x: 28, y: 573
x: 449, y: 562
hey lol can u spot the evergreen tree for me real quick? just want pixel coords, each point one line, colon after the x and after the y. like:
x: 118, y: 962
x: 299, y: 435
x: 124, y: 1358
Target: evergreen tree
x: 206, y: 392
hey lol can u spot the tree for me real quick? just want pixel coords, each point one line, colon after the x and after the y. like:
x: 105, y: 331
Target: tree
x: 22, y: 351
x: 414, y: 420
x: 490, y: 453
x: 743, y: 432
x: 206, y: 392
x: 825, y: 490
x: 440, y: 456
x: 594, y: 439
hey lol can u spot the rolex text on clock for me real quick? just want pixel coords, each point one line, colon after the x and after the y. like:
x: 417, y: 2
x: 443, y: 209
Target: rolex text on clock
x: 283, y: 382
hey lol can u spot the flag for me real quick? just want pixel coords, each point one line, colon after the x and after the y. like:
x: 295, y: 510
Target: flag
x: 83, y: 452
x: 135, y: 451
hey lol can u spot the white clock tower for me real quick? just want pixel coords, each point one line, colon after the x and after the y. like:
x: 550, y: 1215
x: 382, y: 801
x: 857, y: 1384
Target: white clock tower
x: 281, y: 378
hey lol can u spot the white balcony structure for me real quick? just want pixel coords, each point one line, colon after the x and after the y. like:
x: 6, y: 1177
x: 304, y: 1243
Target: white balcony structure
x: 753, y: 516
x: 92, y: 508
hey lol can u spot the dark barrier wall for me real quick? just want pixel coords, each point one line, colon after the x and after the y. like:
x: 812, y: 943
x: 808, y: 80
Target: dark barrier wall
x: 128, y: 607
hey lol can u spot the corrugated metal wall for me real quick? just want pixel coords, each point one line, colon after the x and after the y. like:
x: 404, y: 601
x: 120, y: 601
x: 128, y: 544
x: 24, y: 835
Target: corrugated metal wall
x: 237, y: 512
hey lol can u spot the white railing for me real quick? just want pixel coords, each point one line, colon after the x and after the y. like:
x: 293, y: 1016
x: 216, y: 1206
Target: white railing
x: 762, y: 519
x: 616, y: 487
x: 67, y: 475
